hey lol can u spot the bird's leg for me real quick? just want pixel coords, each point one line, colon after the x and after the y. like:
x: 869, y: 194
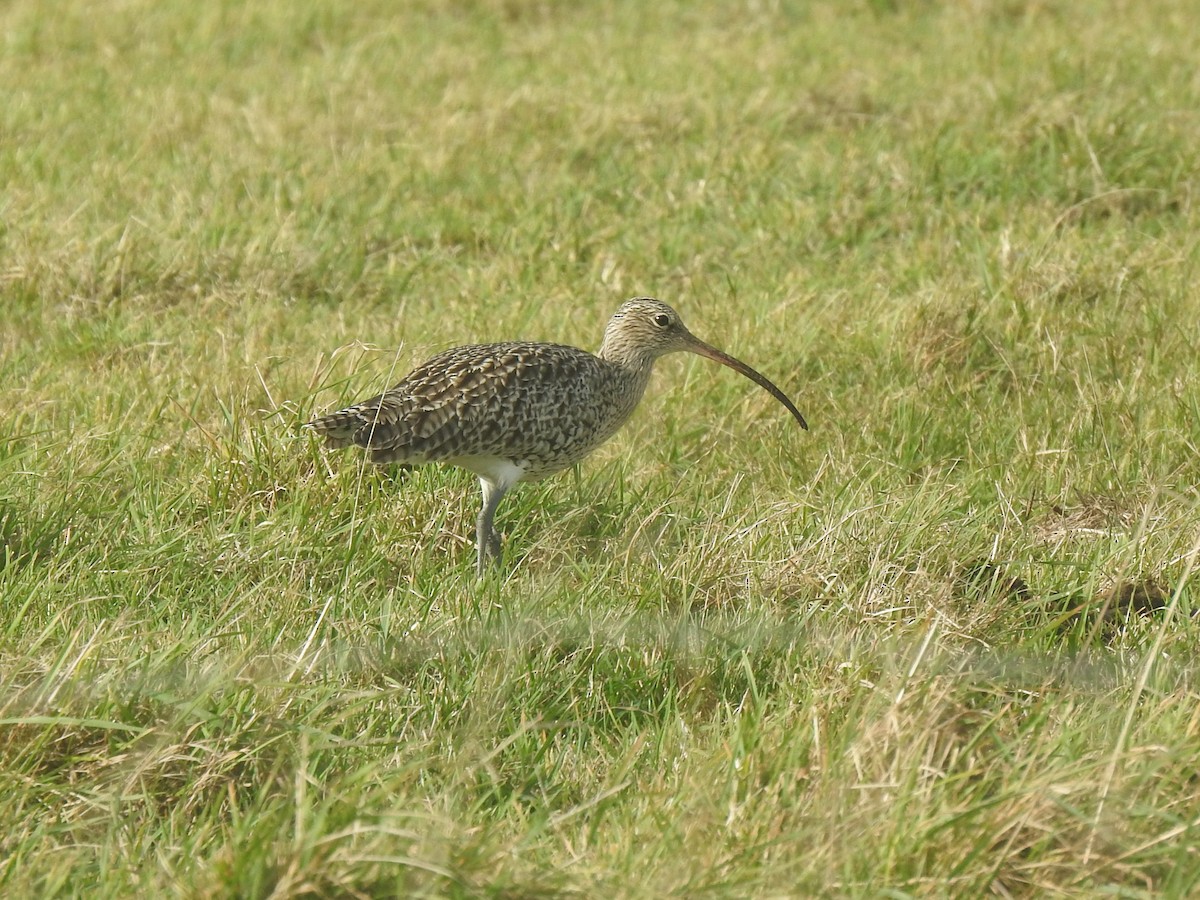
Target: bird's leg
x: 487, y: 541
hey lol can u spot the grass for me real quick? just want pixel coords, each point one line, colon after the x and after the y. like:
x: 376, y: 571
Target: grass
x: 939, y: 645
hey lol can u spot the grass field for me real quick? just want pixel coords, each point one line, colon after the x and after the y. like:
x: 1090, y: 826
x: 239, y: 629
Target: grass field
x: 940, y: 645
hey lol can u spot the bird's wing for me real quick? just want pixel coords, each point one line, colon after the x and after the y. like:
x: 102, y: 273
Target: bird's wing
x: 478, y: 400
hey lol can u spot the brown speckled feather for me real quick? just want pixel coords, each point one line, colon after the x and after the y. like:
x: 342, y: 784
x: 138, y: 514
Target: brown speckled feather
x: 519, y: 401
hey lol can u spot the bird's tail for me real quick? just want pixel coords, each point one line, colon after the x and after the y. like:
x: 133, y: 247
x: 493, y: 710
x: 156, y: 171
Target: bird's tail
x: 369, y: 424
x: 339, y: 428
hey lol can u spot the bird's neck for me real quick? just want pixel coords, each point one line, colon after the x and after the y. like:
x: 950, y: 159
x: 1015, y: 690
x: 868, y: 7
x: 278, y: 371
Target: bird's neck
x: 630, y: 371
x: 632, y: 359
x: 623, y: 383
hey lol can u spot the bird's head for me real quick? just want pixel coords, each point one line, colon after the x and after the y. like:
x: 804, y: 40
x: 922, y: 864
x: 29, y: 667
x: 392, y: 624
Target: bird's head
x: 643, y: 329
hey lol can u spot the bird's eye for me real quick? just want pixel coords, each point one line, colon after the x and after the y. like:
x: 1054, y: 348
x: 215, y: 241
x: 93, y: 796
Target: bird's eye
x: 662, y: 320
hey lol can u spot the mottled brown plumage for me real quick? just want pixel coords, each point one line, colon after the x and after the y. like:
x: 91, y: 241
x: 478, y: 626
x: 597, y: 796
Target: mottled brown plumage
x: 519, y: 411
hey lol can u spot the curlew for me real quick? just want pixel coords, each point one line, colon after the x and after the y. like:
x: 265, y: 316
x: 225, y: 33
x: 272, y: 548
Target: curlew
x: 520, y: 411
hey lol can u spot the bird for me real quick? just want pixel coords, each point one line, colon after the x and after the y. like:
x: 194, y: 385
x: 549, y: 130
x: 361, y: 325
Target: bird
x: 519, y: 411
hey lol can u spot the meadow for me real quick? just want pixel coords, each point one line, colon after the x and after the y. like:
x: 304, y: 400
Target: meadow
x: 940, y: 645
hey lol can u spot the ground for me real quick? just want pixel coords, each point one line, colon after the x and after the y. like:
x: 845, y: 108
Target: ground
x: 941, y: 644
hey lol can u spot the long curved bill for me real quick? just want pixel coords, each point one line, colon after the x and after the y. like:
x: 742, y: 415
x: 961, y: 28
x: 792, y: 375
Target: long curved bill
x: 698, y: 346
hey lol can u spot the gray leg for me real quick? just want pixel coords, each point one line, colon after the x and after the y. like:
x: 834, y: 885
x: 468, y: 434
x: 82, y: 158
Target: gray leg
x: 487, y: 541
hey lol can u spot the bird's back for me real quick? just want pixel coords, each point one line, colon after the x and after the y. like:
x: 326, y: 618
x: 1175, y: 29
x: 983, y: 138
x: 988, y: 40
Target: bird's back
x: 544, y: 405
